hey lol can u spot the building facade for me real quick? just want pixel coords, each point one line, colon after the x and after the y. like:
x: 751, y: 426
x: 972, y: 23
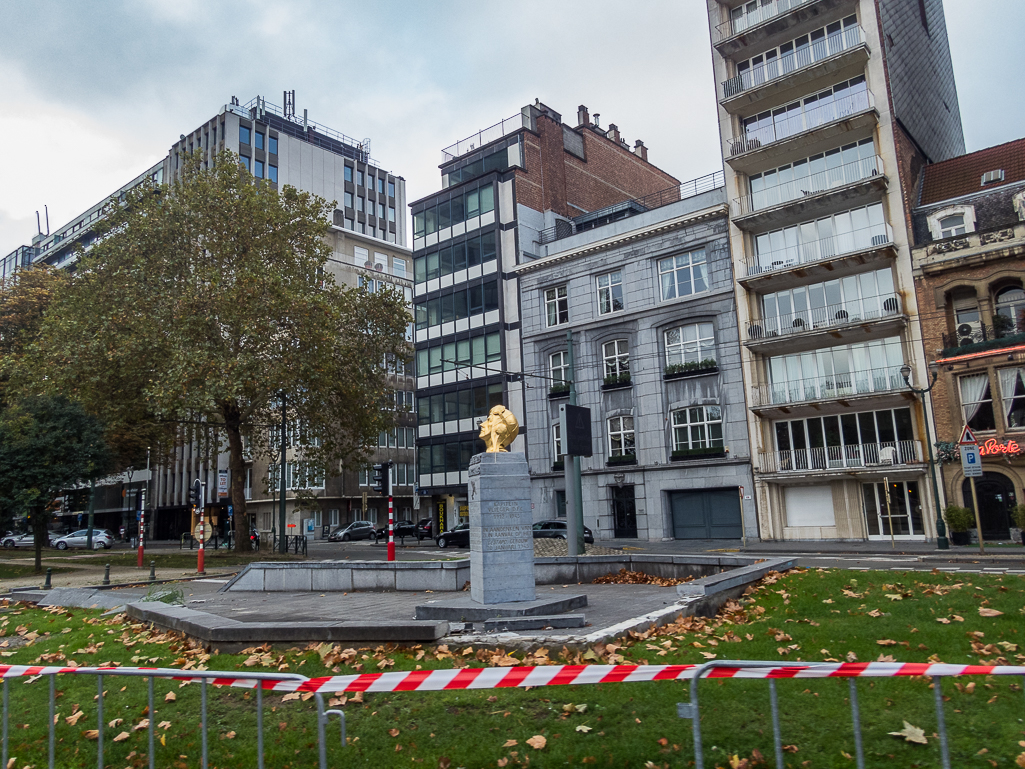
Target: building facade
x: 502, y: 190
x: 646, y: 300
x: 969, y: 261
x: 827, y: 111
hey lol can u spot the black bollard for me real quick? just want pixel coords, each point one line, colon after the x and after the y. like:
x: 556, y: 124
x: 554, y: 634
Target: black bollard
x: 152, y: 571
x: 46, y: 585
x: 106, y: 575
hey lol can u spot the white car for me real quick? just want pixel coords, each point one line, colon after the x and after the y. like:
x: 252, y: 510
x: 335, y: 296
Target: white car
x: 101, y: 538
x: 19, y: 540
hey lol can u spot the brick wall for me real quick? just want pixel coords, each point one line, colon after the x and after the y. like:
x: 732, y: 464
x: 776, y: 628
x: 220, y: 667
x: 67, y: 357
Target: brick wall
x: 910, y: 162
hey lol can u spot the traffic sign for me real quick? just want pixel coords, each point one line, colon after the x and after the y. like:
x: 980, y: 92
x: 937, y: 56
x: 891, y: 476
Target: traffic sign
x: 967, y: 437
x: 202, y: 531
x: 971, y: 461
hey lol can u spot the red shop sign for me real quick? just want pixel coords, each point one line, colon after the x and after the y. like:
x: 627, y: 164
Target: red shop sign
x: 991, y: 448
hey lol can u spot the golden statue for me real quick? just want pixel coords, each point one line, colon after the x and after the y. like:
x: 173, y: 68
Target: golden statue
x: 499, y: 429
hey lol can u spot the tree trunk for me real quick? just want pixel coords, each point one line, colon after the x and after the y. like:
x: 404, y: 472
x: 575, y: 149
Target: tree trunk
x: 39, y: 532
x: 237, y: 474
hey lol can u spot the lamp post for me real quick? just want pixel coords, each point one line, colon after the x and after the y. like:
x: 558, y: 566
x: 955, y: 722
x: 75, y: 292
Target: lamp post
x: 941, y: 528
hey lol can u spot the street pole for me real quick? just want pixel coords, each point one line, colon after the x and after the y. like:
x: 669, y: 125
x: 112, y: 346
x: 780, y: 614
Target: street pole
x: 202, y: 529
x: 92, y: 508
x: 942, y: 543
x: 142, y: 526
x: 574, y: 514
x: 889, y: 512
x: 391, y: 512
x: 282, y: 544
x: 978, y: 522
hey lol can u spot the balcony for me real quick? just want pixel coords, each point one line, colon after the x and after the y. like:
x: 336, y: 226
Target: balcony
x: 803, y: 131
x: 865, y: 457
x: 486, y: 136
x: 979, y: 337
x: 812, y: 195
x: 868, y: 318
x: 838, y: 55
x: 831, y: 257
x: 842, y: 387
x: 770, y: 20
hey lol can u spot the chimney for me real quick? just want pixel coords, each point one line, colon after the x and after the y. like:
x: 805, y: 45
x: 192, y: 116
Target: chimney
x: 613, y: 132
x: 583, y: 116
x: 640, y: 150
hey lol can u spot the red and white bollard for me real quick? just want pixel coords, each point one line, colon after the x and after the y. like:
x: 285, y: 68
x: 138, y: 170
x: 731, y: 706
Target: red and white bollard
x: 391, y: 528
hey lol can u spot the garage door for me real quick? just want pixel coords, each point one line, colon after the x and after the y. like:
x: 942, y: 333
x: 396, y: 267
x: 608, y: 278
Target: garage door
x: 709, y: 514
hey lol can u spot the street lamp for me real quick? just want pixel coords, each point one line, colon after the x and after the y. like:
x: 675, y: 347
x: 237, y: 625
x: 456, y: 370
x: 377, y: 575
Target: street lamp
x: 934, y: 369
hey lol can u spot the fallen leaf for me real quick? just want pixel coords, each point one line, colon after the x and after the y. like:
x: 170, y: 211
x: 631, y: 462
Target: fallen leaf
x: 122, y: 737
x: 886, y: 642
x: 393, y: 732
x: 984, y: 612
x: 290, y: 696
x: 165, y: 725
x: 91, y: 734
x: 581, y: 708
x: 911, y: 734
x: 73, y: 718
x: 510, y: 744
x: 537, y: 742
x: 583, y: 728
x: 943, y: 620
x: 502, y: 761
x: 1020, y: 761
x: 895, y: 596
x: 170, y: 697
x: 141, y: 725
x: 115, y: 723
x: 229, y: 736
x: 444, y: 763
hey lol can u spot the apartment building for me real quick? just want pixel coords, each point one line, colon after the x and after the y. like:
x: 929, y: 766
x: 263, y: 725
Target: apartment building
x: 828, y: 109
x: 501, y: 190
x: 969, y: 254
x: 643, y: 291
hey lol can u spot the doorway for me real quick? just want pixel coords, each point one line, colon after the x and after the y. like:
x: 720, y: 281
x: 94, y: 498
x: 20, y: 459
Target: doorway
x: 709, y: 514
x: 996, y: 498
x: 624, y: 512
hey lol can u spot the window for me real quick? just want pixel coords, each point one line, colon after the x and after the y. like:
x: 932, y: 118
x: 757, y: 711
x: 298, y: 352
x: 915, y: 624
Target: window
x: 834, y: 372
x: 350, y: 224
x: 465, y: 403
x: 243, y: 135
x: 977, y: 402
x: 610, y: 292
x: 837, y: 102
x: 391, y: 189
x: 272, y: 145
x: 245, y: 162
x: 380, y: 185
x: 683, y: 275
x: 458, y: 208
x: 456, y: 304
x: 359, y: 178
x: 853, y: 230
x: 259, y: 141
x: 272, y: 173
x: 866, y: 296
x: 347, y: 199
x: 951, y: 222
x: 690, y: 344
x: 258, y: 168
x: 362, y: 256
x: 820, y: 172
x: 952, y: 225
x: 621, y: 436
x: 399, y: 267
x: 475, y: 351
x: 1010, y: 311
x: 557, y: 306
x: 348, y: 173
x: 558, y: 368
x: 698, y: 427
x: 380, y: 210
x: 469, y: 252
x: 846, y: 440
x: 616, y: 358
x: 556, y: 442
x: 359, y: 204
x: 391, y: 213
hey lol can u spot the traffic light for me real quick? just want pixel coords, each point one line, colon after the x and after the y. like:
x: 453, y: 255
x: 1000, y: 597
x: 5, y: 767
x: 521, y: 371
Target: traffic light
x: 196, y: 493
x: 382, y: 478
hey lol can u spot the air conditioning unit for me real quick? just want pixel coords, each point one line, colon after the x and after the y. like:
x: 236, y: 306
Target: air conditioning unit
x: 992, y: 176
x: 966, y: 334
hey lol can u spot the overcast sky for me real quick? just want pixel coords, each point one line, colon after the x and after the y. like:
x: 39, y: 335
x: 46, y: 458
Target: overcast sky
x: 95, y: 92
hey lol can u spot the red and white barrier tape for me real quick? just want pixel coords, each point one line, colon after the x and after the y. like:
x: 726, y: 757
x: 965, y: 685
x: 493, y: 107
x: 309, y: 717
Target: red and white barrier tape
x: 544, y: 675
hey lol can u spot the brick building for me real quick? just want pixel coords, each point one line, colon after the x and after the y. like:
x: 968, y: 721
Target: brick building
x: 827, y: 111
x: 503, y: 191
x: 969, y: 231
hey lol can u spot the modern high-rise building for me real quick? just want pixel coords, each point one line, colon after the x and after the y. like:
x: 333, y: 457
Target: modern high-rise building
x: 828, y: 110
x: 503, y: 191
x: 368, y: 239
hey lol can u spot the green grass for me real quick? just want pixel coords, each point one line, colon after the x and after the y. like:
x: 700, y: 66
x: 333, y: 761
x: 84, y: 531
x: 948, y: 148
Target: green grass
x: 803, y: 616
x: 16, y: 570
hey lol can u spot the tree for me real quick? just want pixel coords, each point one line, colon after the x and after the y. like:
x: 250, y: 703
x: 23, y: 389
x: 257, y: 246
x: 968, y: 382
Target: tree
x: 23, y: 301
x: 201, y: 302
x: 47, y: 444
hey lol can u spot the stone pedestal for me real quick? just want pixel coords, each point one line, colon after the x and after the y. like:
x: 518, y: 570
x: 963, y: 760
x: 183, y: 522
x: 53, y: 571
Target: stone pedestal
x: 501, y: 536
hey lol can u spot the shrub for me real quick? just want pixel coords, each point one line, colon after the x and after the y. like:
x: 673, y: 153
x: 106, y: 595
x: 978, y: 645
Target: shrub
x: 959, y: 518
x: 1018, y: 516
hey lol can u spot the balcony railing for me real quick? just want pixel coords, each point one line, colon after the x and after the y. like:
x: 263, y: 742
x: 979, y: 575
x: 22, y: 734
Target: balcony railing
x: 795, y: 60
x: 867, y: 456
x: 485, y: 136
x: 809, y: 184
x: 830, y: 316
x: 830, y: 387
x: 977, y: 337
x: 792, y: 122
x: 788, y: 257
x: 767, y: 10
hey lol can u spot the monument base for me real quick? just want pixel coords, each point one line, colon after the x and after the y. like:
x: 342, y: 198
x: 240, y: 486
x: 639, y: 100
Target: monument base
x: 464, y: 609
x: 501, y: 529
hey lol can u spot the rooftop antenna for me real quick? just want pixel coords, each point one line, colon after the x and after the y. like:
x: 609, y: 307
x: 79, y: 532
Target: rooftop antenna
x: 289, y: 104
x: 39, y: 227
x: 47, y: 212
x: 306, y: 120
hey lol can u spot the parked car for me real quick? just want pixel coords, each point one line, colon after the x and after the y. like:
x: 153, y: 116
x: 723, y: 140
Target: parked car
x: 101, y: 538
x: 19, y: 540
x: 424, y: 527
x: 557, y: 530
x: 457, y: 536
x: 402, y: 529
x: 355, y: 530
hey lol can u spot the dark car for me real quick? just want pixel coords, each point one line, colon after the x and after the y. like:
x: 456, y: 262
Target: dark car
x: 355, y: 530
x: 402, y: 529
x: 424, y: 527
x: 457, y: 536
x: 558, y: 530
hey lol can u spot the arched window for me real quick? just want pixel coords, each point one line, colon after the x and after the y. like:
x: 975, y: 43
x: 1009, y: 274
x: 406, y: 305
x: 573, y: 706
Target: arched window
x: 952, y: 225
x: 951, y: 222
x: 1010, y: 311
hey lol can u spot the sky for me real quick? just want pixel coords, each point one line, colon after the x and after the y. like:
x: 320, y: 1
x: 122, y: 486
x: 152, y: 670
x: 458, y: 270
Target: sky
x: 94, y: 93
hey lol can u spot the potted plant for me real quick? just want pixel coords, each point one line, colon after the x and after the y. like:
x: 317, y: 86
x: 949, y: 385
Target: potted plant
x: 613, y: 381
x: 959, y: 521
x: 558, y: 390
x: 677, y: 370
x: 1018, y: 519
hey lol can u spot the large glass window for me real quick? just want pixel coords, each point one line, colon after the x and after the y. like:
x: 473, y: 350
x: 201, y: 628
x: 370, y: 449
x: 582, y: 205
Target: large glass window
x: 866, y: 296
x: 693, y: 343
x: 621, y: 436
x: 835, y: 372
x: 347, y: 173
x: 610, y: 292
x: 244, y: 135
x: 860, y: 439
x: 453, y: 210
x: 463, y: 302
x: 834, y: 103
x: 447, y: 356
x: 558, y: 369
x: 895, y: 510
x: 258, y: 169
x: 272, y: 145
x: 834, y: 168
x: 272, y: 173
x: 451, y: 457
x: 842, y: 233
x: 259, y: 140
x: 683, y: 274
x: 1010, y: 311
x: 458, y: 255
x: 556, y: 305
x: 616, y: 359
x: 1012, y: 392
x: 246, y: 162
x: 465, y: 403
x: 698, y: 427
x: 977, y: 402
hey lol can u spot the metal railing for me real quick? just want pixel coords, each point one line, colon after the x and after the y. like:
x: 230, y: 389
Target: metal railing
x: 767, y: 10
x: 794, y: 61
x: 830, y: 387
x: 823, y: 249
x: 770, y: 671
x: 251, y: 106
x: 485, y: 136
x: 808, y: 185
x: 830, y: 316
x: 674, y: 194
x: 867, y: 456
x: 970, y: 334
x: 789, y: 123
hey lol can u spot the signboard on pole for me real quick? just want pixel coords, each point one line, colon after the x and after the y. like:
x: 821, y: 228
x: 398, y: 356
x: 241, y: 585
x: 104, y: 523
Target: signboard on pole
x: 575, y: 426
x: 222, y: 483
x: 971, y: 459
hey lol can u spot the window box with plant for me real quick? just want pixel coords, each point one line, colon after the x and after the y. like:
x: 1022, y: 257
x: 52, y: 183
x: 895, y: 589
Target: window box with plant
x: 622, y: 459
x: 693, y: 368
x: 559, y: 390
x: 616, y: 381
x: 712, y: 452
x: 959, y: 521
x: 559, y: 466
